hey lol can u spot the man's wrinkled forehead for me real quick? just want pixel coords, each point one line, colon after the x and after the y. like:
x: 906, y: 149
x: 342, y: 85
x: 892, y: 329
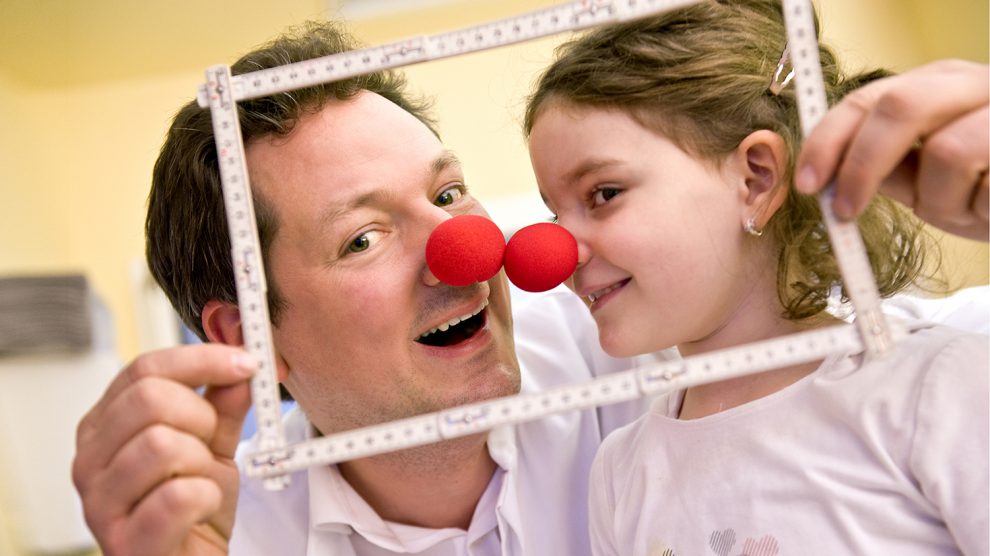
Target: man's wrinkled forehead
x: 378, y: 195
x: 341, y: 154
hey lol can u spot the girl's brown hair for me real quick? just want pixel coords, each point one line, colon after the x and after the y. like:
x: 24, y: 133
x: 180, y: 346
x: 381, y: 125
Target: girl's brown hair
x: 700, y: 76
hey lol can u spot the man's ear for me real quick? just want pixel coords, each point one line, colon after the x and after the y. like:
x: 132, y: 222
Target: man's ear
x: 222, y: 324
x: 763, y: 158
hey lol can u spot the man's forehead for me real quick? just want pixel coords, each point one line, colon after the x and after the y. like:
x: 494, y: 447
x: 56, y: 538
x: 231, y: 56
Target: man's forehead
x: 350, y: 143
x: 373, y: 193
x: 364, y: 119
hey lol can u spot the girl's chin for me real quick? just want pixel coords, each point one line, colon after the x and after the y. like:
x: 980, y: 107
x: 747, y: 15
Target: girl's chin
x: 618, y: 346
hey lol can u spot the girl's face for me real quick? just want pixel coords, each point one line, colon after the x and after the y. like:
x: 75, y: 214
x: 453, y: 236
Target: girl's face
x: 661, y: 248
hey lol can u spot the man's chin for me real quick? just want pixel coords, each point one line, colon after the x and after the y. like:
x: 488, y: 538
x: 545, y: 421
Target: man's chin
x: 507, y: 383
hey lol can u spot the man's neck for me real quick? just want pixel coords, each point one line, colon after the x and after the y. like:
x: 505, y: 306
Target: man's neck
x: 436, y: 486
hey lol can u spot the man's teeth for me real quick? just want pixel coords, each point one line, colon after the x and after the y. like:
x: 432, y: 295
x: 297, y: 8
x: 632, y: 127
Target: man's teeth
x: 455, y: 321
x: 598, y: 294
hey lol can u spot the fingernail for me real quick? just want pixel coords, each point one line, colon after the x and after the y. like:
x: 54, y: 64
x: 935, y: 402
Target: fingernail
x: 244, y: 363
x: 843, y: 209
x: 806, y: 181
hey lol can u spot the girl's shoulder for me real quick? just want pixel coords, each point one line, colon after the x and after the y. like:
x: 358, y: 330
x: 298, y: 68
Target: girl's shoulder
x: 929, y: 348
x: 932, y: 368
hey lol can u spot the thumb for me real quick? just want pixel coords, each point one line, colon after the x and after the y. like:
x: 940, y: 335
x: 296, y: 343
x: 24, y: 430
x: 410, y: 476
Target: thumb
x: 231, y: 404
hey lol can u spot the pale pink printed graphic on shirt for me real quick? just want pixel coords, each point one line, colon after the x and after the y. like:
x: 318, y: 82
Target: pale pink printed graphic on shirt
x: 767, y: 546
x: 721, y: 543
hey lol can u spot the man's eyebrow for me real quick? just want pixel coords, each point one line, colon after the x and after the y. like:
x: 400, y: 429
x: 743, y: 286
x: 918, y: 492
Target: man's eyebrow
x: 382, y: 195
x: 335, y: 211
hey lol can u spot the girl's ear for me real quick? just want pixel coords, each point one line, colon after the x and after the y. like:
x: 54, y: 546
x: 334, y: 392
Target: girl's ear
x: 763, y: 158
x: 222, y: 324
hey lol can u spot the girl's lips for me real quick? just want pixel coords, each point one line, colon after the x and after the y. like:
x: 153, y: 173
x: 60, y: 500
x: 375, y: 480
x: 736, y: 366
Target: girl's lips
x: 597, y: 298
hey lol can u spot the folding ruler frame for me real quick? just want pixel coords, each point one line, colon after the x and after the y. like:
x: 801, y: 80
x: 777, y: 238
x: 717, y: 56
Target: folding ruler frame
x: 275, y: 459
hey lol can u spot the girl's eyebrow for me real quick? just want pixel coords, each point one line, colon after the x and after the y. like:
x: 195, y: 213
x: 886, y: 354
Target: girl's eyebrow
x: 589, y: 166
x: 444, y: 161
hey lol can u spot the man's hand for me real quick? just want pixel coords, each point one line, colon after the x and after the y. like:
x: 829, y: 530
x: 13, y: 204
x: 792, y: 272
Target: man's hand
x: 154, y: 460
x: 920, y: 137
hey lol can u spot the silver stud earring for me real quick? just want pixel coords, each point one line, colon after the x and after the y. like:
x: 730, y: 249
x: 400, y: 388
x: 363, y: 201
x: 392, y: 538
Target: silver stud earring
x: 750, y: 228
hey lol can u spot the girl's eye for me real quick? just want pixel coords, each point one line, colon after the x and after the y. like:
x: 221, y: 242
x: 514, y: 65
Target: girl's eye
x: 361, y: 243
x: 449, y: 196
x: 603, y: 195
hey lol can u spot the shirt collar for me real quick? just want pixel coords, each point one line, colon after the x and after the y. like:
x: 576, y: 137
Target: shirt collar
x: 335, y: 507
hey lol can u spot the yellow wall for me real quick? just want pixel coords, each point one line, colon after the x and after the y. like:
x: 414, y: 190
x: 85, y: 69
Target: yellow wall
x: 87, y: 88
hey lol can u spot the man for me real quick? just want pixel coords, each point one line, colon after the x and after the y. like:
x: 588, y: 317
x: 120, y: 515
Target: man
x: 349, y: 180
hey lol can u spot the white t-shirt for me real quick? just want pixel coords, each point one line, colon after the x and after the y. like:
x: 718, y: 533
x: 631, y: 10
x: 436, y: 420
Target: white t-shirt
x: 861, y: 457
x: 536, y: 503
x: 967, y: 309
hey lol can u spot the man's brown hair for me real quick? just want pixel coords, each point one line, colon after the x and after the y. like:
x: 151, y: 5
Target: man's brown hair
x: 188, y: 246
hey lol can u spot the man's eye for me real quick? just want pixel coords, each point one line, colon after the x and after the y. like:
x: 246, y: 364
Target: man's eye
x: 361, y: 243
x: 449, y: 196
x: 603, y: 195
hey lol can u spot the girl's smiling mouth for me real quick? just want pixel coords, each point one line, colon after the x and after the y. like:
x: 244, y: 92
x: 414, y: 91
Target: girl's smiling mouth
x: 596, y: 297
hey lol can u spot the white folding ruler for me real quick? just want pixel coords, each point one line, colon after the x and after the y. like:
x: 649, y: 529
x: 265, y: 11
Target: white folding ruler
x: 275, y: 460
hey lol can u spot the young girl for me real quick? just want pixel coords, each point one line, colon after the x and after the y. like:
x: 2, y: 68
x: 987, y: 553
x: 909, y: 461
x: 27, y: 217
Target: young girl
x: 666, y: 147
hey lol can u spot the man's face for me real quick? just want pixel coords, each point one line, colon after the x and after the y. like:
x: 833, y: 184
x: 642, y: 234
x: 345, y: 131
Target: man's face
x: 357, y: 188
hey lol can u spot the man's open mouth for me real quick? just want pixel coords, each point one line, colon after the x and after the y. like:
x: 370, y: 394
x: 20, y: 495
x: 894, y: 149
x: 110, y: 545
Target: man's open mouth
x: 456, y: 330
